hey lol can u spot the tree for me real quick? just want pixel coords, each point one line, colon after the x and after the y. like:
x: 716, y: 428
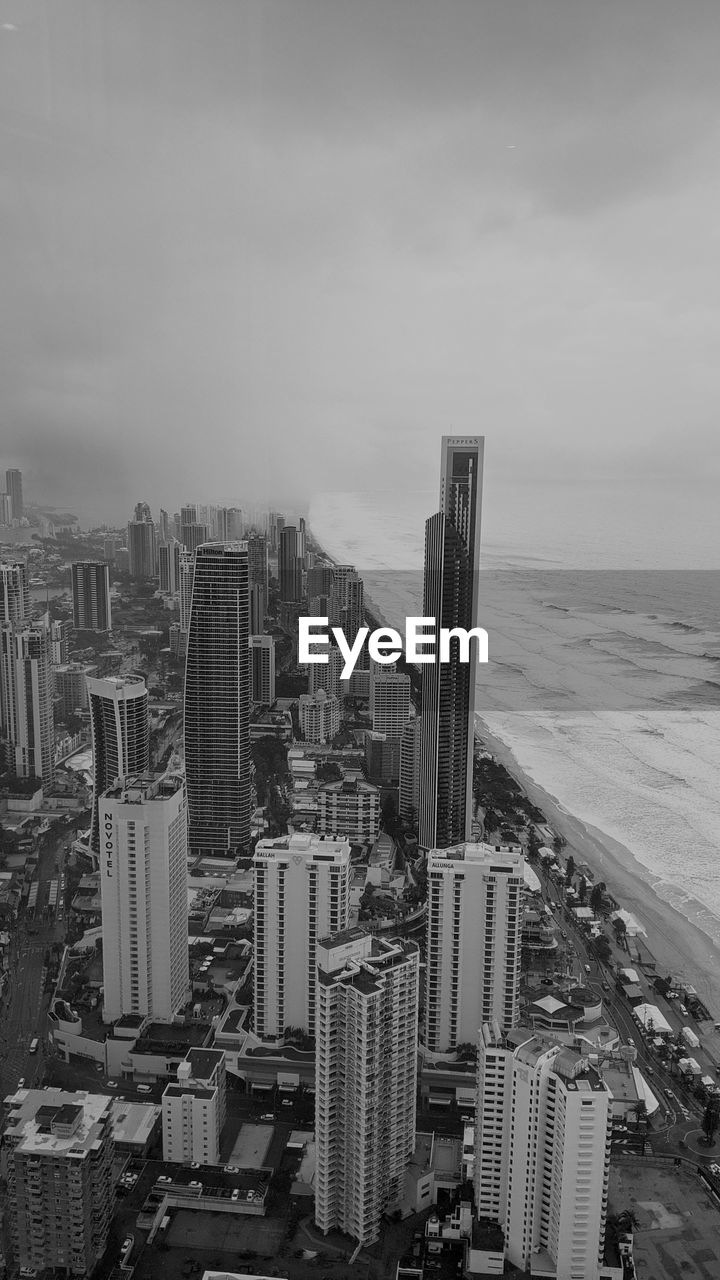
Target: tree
x: 569, y: 869
x: 582, y: 890
x: 596, y: 897
x: 603, y: 950
x: 558, y: 843
x: 620, y: 928
x: 711, y: 1120
x: 533, y: 844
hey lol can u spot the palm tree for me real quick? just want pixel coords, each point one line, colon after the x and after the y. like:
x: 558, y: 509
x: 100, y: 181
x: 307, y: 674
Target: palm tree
x: 711, y: 1120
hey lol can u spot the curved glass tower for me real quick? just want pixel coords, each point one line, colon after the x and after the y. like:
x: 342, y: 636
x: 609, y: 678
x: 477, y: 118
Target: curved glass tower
x: 120, y: 735
x: 217, y: 701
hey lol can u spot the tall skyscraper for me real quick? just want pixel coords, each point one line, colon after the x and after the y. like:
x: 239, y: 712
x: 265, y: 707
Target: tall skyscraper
x: 217, y: 701
x: 365, y: 1079
x: 186, y: 570
x: 141, y: 544
x: 169, y: 565
x: 542, y: 1152
x: 258, y: 569
x: 5, y: 510
x: 120, y: 735
x: 14, y: 592
x: 319, y: 716
x: 192, y: 536
x: 474, y: 931
x: 60, y: 632
x: 389, y: 702
x: 60, y: 1179
x: 26, y: 699
x: 164, y: 526
x: 143, y: 886
x: 451, y: 597
x: 326, y: 675
x: 14, y: 487
x: 290, y: 574
x: 262, y: 662
x: 302, y: 893
x: 91, y: 596
x: 70, y: 684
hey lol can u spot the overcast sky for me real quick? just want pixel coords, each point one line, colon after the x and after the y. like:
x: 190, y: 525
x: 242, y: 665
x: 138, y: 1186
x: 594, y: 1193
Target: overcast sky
x: 270, y: 249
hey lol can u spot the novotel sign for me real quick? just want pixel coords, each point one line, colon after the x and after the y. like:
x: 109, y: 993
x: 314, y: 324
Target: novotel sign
x: 109, y: 843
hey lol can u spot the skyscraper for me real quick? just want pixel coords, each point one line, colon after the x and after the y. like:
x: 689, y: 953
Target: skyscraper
x: 389, y: 702
x: 217, y: 701
x: 365, y: 1079
x: 141, y: 544
x: 14, y: 592
x: 451, y: 597
x: 120, y: 735
x: 186, y: 572
x: 473, y: 942
x: 193, y: 535
x: 26, y: 699
x: 143, y: 886
x: 290, y: 574
x: 258, y: 569
x: 319, y: 715
x: 262, y: 662
x: 91, y: 596
x: 14, y: 487
x: 302, y: 892
x: 542, y: 1152
x: 409, y: 794
x: 60, y: 1179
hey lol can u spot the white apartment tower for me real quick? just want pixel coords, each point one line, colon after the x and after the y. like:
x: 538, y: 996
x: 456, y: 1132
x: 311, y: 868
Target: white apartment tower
x: 473, y: 942
x: 26, y: 699
x: 14, y: 592
x: 193, y: 1110
x: 319, y: 716
x: 542, y: 1152
x: 365, y: 1079
x: 302, y: 893
x: 262, y: 669
x: 91, y: 596
x: 326, y: 675
x: 143, y: 884
x: 389, y: 702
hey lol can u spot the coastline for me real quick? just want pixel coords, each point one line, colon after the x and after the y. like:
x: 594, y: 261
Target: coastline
x: 678, y: 945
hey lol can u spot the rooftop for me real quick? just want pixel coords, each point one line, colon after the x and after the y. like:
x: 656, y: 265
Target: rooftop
x: 35, y: 1115
x: 204, y: 1061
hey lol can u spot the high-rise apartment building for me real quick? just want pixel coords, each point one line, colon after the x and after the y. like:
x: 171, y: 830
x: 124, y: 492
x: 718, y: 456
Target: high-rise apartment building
x: 186, y: 569
x: 365, y: 1079
x: 290, y: 566
x: 389, y: 702
x: 262, y: 662
x: 26, y: 699
x: 91, y: 596
x: 326, y: 675
x: 542, y: 1152
x: 409, y: 793
x: 14, y: 592
x: 451, y: 597
x: 349, y: 808
x: 169, y: 565
x: 120, y: 734
x: 60, y: 632
x: 14, y: 488
x: 143, y: 886
x: 319, y: 715
x: 302, y: 893
x: 474, y: 929
x: 60, y: 1179
x: 259, y: 581
x: 217, y: 701
x: 70, y: 684
x: 193, y: 1109
x: 319, y: 580
x: 141, y: 544
x: 192, y: 536
x: 5, y: 510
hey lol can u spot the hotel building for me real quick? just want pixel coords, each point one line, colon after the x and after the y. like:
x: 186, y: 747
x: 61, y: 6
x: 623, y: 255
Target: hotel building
x: 120, y: 735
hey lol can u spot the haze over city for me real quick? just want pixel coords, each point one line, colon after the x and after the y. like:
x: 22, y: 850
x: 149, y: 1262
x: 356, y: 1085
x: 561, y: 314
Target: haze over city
x: 273, y: 246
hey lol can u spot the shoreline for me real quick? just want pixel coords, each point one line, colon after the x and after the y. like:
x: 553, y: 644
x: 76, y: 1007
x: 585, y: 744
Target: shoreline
x: 679, y: 946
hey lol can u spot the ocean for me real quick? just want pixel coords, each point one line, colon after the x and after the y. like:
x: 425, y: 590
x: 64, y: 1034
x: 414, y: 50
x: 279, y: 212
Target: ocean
x: 603, y: 681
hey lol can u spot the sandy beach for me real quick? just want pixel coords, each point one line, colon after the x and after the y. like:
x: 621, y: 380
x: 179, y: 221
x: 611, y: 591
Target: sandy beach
x: 679, y: 947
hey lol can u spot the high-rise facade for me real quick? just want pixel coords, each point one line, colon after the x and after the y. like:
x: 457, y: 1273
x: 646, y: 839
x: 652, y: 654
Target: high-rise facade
x: 120, y: 734
x: 14, y: 592
x: 302, y: 893
x: 217, y: 701
x: 143, y: 886
x: 141, y: 545
x: 70, y: 684
x: 91, y: 596
x: 389, y: 702
x: 26, y: 699
x: 169, y: 566
x: 60, y: 632
x: 409, y: 793
x: 451, y: 597
x: 542, y: 1152
x: 326, y: 675
x: 60, y: 1179
x: 290, y: 569
x: 186, y: 570
x: 365, y: 1079
x: 192, y: 536
x: 262, y: 662
x: 474, y: 930
x: 14, y: 488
